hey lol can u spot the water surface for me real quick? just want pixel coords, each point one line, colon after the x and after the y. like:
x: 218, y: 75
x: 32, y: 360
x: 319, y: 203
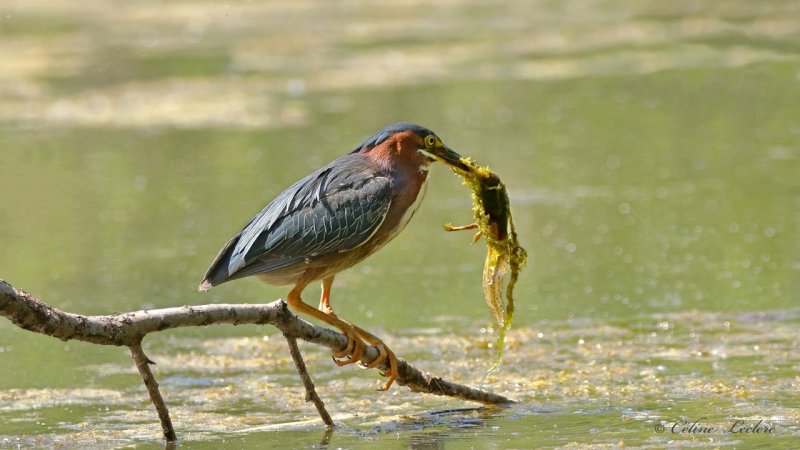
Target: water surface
x: 651, y: 153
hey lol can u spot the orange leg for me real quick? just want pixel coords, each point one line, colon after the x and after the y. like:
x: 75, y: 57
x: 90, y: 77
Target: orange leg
x: 325, y: 306
x: 325, y: 298
x: 383, y: 351
x: 355, y: 345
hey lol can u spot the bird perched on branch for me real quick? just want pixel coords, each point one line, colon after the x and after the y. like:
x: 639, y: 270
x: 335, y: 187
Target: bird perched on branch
x: 331, y: 220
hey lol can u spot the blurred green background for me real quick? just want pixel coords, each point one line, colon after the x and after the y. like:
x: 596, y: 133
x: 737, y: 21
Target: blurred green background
x: 650, y: 150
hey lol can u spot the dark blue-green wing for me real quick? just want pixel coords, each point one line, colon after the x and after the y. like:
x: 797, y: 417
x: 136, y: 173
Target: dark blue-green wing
x: 333, y: 210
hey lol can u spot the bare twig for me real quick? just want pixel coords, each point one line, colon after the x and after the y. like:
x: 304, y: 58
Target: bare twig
x: 311, y: 393
x: 143, y: 364
x: 128, y: 329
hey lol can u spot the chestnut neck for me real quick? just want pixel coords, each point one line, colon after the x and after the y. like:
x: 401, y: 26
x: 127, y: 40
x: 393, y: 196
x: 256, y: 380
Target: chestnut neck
x: 399, y: 153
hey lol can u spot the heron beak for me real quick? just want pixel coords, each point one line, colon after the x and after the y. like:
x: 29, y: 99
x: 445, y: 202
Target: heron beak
x: 451, y: 158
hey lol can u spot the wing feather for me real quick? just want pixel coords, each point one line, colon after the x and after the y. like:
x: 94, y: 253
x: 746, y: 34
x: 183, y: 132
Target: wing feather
x: 335, y: 209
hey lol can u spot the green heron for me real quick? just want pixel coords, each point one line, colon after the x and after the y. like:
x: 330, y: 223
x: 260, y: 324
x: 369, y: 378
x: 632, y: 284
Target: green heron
x: 331, y: 220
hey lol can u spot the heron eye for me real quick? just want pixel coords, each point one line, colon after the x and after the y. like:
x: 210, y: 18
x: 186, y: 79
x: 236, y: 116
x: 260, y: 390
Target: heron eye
x: 430, y: 140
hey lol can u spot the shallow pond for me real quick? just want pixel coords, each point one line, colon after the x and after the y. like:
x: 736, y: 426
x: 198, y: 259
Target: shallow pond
x: 651, y: 152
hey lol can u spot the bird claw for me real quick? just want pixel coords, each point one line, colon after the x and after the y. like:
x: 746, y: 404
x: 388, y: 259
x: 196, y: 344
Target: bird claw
x: 352, y: 352
x: 354, y: 349
x: 384, y: 354
x: 372, y: 364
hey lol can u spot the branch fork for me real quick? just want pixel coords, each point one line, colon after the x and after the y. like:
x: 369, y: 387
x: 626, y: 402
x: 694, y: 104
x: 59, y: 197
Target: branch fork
x: 129, y: 329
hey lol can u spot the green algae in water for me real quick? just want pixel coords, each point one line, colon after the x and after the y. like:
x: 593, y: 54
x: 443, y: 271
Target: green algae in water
x: 505, y: 258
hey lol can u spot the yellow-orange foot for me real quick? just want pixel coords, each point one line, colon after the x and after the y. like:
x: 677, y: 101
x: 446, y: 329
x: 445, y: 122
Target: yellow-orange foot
x: 352, y: 352
x: 384, y: 355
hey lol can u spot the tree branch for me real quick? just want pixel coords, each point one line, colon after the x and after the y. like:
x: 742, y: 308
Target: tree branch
x: 143, y: 364
x: 311, y: 393
x: 128, y: 329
